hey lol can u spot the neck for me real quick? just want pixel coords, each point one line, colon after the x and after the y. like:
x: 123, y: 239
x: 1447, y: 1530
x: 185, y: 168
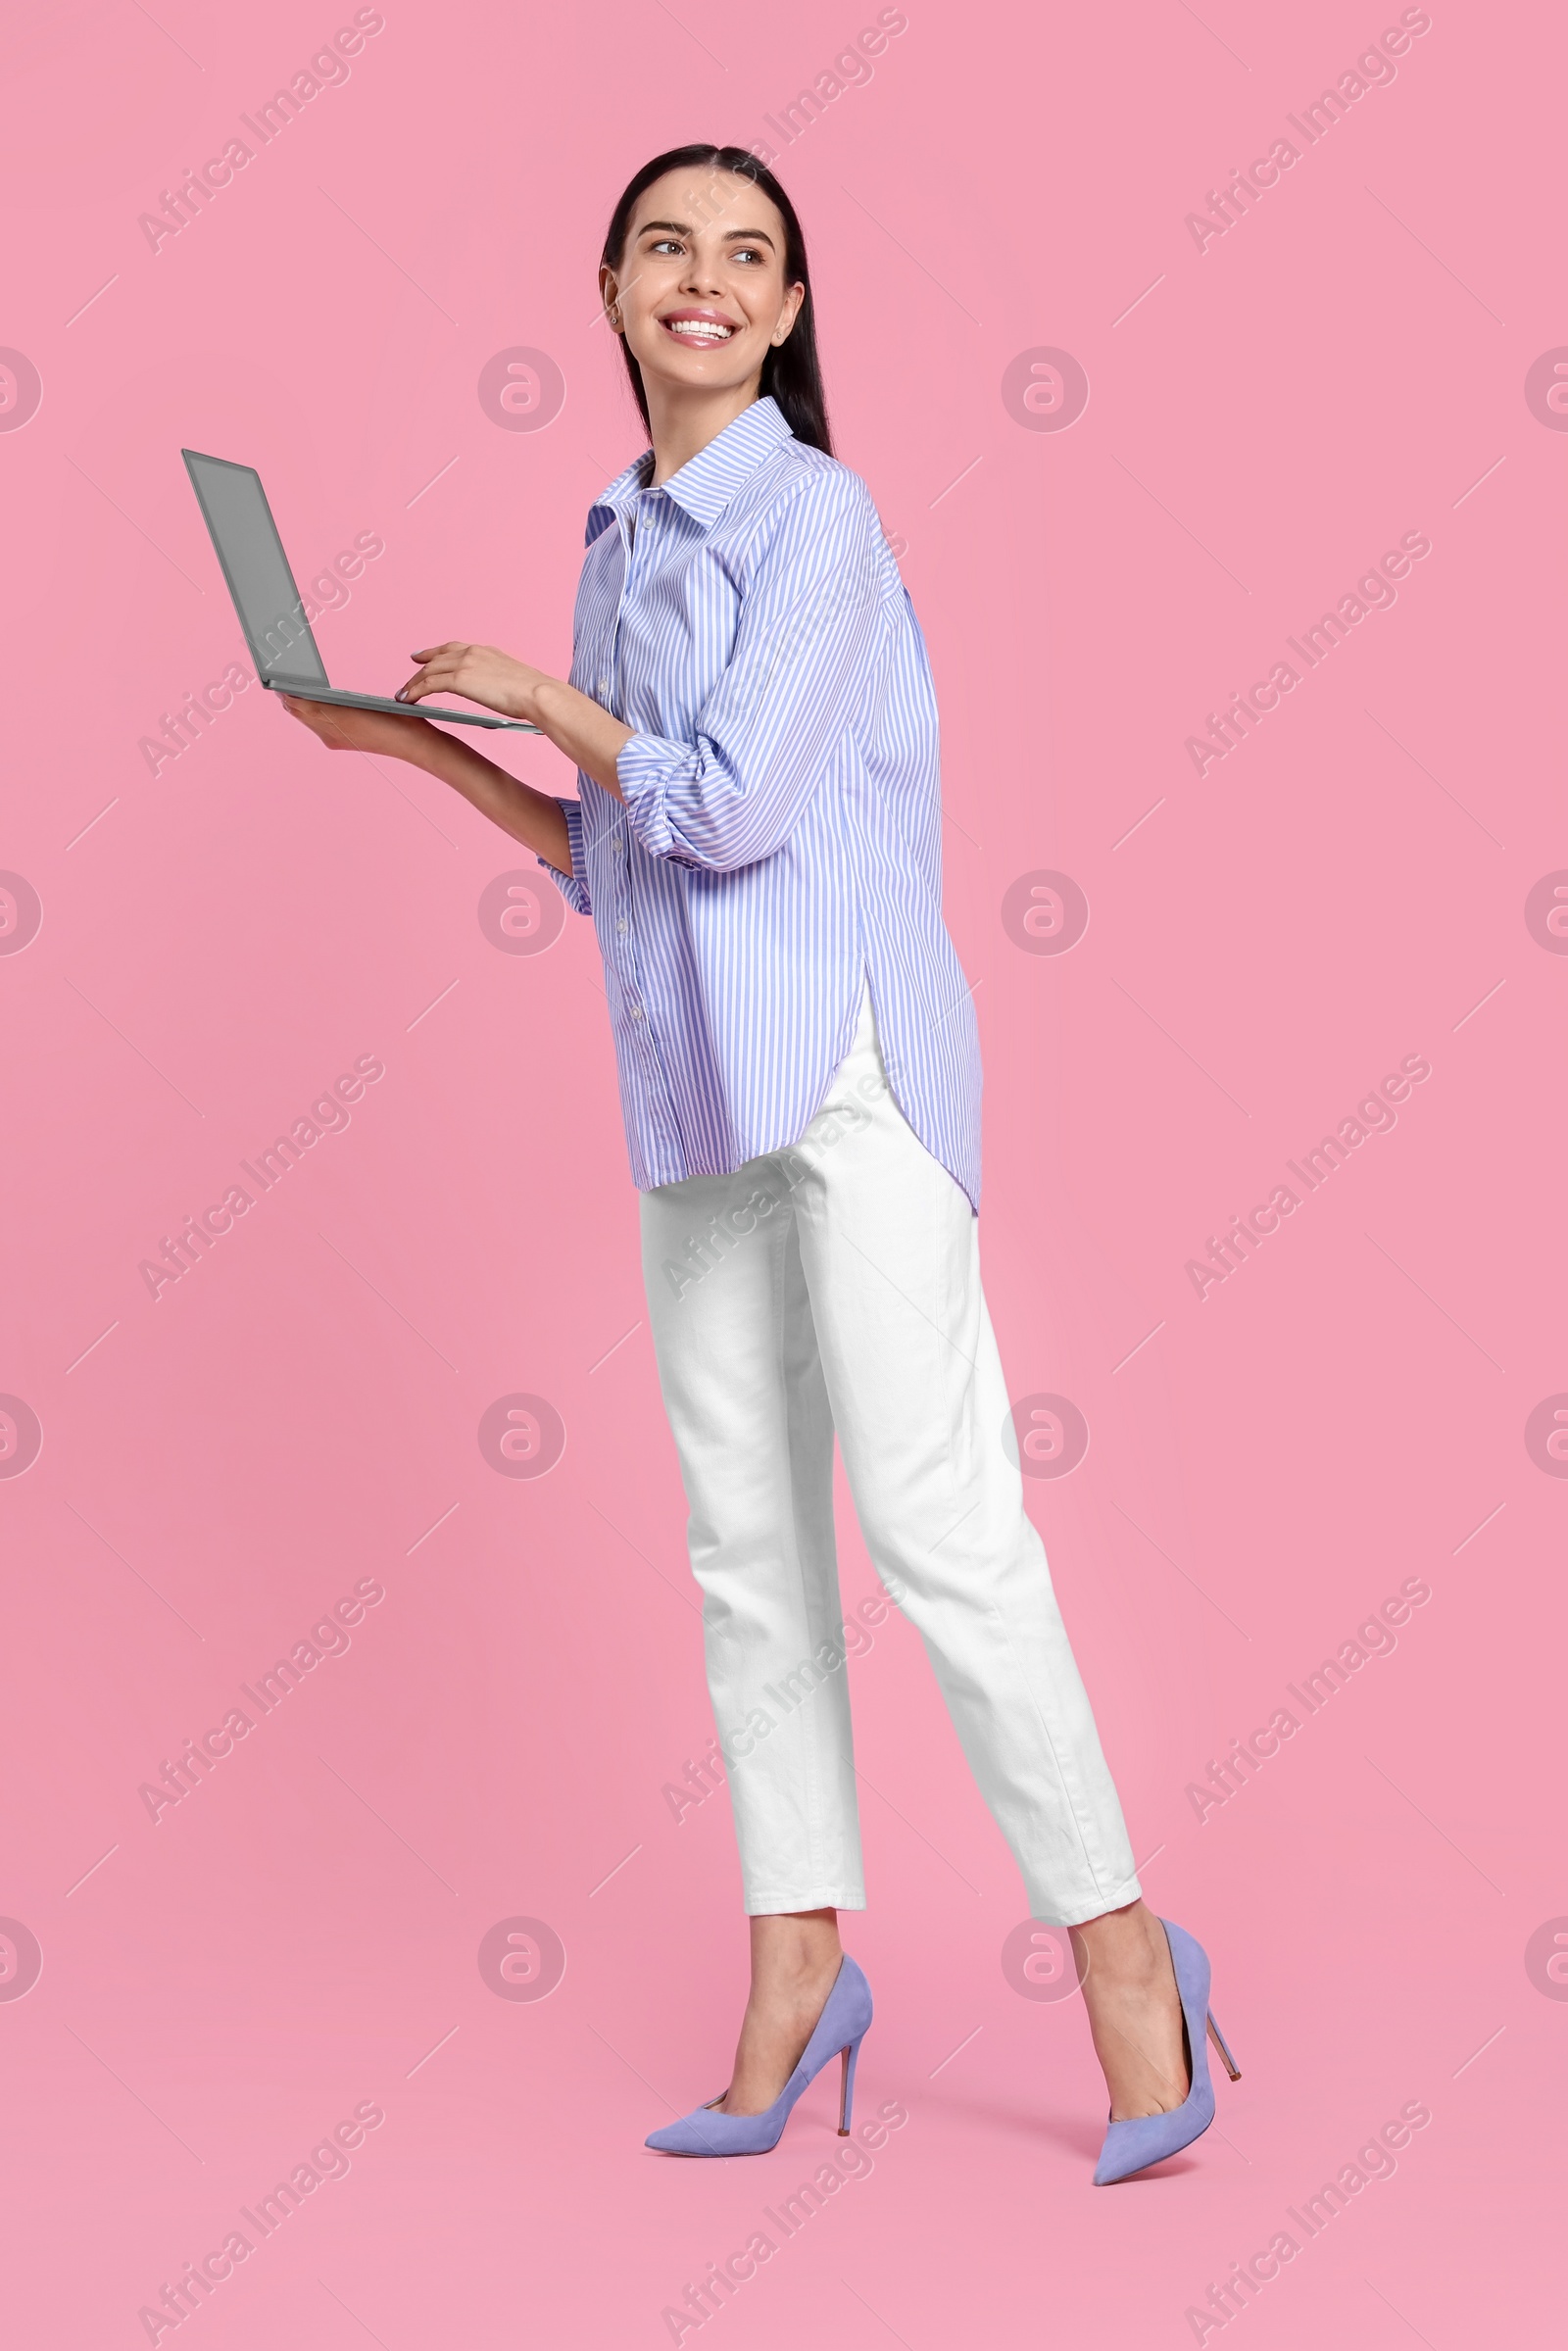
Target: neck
x: 682, y: 420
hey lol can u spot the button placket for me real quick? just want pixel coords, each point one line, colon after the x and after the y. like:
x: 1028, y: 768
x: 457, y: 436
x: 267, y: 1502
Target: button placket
x: 631, y: 540
x: 637, y: 546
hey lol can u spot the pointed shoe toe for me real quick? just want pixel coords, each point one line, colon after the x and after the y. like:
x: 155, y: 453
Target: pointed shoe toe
x: 1149, y: 2139
x: 708, y: 2132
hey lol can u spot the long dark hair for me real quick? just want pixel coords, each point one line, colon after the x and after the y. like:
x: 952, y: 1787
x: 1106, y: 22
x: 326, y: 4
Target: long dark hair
x: 789, y: 371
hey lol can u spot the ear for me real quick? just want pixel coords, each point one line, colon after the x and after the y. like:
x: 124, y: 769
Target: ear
x: 791, y: 310
x: 609, y: 295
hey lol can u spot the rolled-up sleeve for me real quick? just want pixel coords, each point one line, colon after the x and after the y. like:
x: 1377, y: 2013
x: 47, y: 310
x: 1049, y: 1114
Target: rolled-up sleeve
x: 574, y: 886
x: 810, y: 644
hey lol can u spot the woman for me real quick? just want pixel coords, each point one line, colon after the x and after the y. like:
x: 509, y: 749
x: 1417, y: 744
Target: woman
x: 756, y: 835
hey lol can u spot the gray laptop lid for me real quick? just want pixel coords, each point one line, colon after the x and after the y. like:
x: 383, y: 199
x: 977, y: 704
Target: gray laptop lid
x: 270, y: 609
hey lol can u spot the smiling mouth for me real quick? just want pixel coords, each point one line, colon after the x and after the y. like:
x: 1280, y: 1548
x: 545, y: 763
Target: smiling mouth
x: 702, y: 332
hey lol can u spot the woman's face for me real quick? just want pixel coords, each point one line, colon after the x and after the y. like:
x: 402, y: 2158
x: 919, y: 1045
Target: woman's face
x: 700, y: 294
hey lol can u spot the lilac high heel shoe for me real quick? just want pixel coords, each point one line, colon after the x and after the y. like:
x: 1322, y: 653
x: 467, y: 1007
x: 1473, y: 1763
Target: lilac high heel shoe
x: 840, y: 2030
x: 1132, y: 2146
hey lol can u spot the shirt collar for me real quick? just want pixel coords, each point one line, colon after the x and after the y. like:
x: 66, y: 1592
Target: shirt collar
x: 705, y: 485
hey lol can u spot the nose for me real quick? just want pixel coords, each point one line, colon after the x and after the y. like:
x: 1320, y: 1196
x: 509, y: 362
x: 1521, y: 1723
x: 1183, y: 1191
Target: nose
x: 700, y: 280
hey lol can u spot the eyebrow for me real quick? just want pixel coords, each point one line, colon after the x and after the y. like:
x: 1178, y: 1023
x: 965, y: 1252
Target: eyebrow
x: 753, y: 236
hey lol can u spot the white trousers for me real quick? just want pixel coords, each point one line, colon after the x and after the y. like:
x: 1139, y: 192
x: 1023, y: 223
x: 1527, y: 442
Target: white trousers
x: 836, y: 1287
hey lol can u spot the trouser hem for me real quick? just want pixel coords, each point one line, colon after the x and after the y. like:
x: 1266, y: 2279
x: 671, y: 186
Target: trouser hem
x: 830, y: 1898
x: 1094, y: 1907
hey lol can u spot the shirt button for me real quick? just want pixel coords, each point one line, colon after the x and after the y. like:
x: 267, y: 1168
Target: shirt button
x: 622, y: 926
x: 636, y: 1011
x: 604, y: 685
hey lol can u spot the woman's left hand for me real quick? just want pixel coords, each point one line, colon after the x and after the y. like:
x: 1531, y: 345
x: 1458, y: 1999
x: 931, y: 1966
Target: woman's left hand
x: 481, y: 673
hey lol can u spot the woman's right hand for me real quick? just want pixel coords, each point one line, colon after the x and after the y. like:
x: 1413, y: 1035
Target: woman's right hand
x: 342, y: 728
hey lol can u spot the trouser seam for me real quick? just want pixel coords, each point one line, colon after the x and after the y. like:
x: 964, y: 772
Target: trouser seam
x: 1066, y: 1784
x: 813, y: 1788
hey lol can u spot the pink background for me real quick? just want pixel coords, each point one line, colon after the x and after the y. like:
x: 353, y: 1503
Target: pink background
x: 221, y: 939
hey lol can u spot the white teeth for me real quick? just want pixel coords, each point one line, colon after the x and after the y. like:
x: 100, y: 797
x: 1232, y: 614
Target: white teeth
x: 701, y: 330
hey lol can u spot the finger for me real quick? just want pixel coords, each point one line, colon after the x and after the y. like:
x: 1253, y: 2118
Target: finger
x: 438, y: 676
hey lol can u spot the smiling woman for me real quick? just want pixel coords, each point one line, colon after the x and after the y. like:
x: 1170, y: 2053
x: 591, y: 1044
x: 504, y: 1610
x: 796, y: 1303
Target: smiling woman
x: 757, y: 310
x: 755, y: 836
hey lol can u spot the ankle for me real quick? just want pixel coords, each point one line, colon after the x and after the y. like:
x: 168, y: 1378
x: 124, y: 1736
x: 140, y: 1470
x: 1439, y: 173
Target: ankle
x: 792, y: 1952
x: 786, y: 1983
x: 1125, y: 1949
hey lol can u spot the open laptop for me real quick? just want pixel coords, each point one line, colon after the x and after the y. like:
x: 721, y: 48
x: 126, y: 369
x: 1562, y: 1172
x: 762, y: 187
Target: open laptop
x: 270, y: 607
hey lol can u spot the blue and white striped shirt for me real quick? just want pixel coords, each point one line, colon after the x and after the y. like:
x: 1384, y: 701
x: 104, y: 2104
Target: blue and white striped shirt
x: 778, y: 845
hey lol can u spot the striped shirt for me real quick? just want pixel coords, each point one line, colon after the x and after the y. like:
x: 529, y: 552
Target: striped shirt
x: 777, y: 847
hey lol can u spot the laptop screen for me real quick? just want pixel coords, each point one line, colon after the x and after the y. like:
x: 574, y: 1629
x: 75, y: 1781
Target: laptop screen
x: 270, y: 609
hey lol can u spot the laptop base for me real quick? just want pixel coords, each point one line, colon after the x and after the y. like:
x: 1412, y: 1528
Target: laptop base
x: 305, y: 691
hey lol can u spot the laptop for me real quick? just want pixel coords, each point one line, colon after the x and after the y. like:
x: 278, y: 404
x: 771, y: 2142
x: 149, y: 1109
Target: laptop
x: 270, y: 607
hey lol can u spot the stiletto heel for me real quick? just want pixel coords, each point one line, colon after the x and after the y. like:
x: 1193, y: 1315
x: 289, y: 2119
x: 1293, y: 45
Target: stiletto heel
x: 847, y: 2086
x: 1225, y: 2057
x: 840, y: 2030
x: 1147, y: 2139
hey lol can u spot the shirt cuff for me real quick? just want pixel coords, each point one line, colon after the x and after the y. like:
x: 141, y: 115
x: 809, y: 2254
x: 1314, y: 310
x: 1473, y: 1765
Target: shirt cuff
x: 574, y: 886
x: 646, y: 765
